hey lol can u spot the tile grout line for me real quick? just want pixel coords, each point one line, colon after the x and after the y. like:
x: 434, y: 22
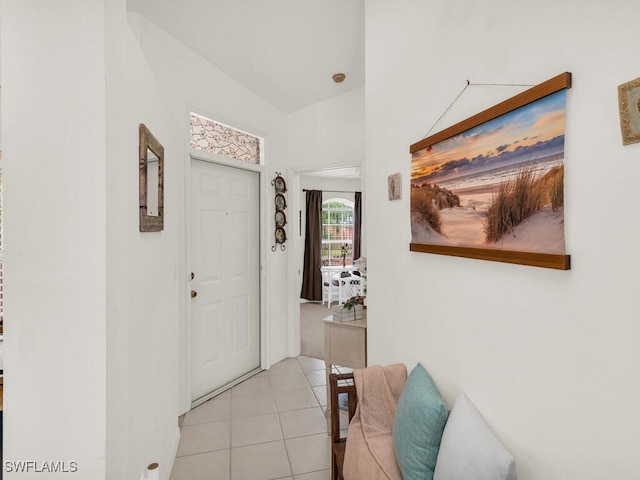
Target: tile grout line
x: 284, y: 440
x: 307, y: 435
x: 231, y: 448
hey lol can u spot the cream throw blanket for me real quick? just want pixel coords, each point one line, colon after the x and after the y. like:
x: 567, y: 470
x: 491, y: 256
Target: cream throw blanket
x: 369, y: 452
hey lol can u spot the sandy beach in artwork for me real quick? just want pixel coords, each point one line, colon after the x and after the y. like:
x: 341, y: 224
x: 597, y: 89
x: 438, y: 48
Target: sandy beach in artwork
x: 462, y: 226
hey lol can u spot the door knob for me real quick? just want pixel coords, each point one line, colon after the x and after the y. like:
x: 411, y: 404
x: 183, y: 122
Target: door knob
x: 194, y: 294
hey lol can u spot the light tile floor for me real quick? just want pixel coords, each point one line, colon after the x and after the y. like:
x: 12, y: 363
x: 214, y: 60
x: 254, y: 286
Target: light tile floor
x: 271, y: 426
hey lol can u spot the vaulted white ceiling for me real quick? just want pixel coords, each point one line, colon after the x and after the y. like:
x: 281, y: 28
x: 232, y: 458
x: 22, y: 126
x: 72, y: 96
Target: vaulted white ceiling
x: 286, y: 51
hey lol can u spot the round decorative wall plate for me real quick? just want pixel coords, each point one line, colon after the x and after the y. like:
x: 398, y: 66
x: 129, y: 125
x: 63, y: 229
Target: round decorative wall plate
x: 281, y: 203
x: 281, y: 236
x: 281, y: 219
x: 280, y: 184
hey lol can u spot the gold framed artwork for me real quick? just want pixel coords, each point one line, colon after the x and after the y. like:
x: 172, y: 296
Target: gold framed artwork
x: 629, y: 104
x: 492, y: 186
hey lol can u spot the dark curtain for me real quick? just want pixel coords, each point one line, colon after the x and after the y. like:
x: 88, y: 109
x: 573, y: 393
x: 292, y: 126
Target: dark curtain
x: 357, y: 226
x: 311, y: 276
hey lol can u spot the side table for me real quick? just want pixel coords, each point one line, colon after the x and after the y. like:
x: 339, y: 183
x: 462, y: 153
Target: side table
x: 345, y: 345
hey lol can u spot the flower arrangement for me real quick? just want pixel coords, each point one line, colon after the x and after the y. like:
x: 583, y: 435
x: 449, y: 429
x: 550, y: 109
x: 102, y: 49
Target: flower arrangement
x: 354, y: 304
x: 353, y: 301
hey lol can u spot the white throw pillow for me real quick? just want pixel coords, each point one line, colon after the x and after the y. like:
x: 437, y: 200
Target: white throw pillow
x: 469, y: 449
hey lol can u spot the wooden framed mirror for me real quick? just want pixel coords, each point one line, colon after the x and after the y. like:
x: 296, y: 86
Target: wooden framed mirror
x: 151, y: 165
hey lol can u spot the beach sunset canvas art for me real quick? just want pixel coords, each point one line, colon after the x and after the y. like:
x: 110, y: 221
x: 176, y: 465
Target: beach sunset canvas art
x: 496, y: 186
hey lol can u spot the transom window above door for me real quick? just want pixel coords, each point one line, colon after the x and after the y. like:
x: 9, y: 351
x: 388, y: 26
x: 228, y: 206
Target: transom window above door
x: 337, y: 232
x: 214, y: 137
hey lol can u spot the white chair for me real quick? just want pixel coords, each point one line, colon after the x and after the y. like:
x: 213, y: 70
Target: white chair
x: 330, y: 286
x: 348, y: 287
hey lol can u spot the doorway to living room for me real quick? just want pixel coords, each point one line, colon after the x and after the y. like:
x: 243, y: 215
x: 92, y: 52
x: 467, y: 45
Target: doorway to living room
x: 338, y: 186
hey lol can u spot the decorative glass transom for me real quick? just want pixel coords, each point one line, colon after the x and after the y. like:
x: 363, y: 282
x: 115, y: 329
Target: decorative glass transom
x: 210, y: 136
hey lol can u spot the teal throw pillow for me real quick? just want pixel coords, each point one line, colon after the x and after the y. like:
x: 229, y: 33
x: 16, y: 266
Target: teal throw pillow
x: 419, y: 420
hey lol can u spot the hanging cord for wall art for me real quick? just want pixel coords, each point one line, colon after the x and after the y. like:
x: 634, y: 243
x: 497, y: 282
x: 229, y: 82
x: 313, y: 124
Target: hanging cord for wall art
x: 469, y: 84
x: 448, y: 108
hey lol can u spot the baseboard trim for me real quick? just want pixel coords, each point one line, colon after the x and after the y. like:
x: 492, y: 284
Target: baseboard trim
x: 226, y: 387
x: 166, y: 473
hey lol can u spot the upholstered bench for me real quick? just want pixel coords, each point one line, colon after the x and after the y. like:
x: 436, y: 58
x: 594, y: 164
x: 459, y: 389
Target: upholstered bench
x: 466, y: 448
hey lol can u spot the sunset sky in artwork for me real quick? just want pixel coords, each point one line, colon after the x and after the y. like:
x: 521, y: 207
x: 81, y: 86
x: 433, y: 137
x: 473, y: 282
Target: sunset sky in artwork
x: 536, y: 122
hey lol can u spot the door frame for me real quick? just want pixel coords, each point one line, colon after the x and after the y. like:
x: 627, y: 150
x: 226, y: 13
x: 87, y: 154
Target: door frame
x: 296, y: 242
x: 186, y: 341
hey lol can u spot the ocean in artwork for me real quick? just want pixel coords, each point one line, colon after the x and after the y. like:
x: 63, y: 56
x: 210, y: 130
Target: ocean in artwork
x: 498, y: 185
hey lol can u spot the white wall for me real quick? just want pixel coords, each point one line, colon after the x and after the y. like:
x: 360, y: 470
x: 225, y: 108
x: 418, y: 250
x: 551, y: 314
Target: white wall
x: 145, y: 300
x: 189, y: 83
x: 324, y: 136
x: 321, y: 136
x: 53, y: 120
x: 91, y: 304
x: 332, y: 187
x: 549, y: 357
x: 328, y: 133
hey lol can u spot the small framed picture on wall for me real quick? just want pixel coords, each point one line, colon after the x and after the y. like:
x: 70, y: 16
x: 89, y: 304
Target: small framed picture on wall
x: 629, y: 103
x: 394, y: 183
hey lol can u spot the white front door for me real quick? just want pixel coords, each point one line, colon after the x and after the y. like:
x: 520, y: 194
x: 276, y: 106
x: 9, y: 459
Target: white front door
x: 225, y: 313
